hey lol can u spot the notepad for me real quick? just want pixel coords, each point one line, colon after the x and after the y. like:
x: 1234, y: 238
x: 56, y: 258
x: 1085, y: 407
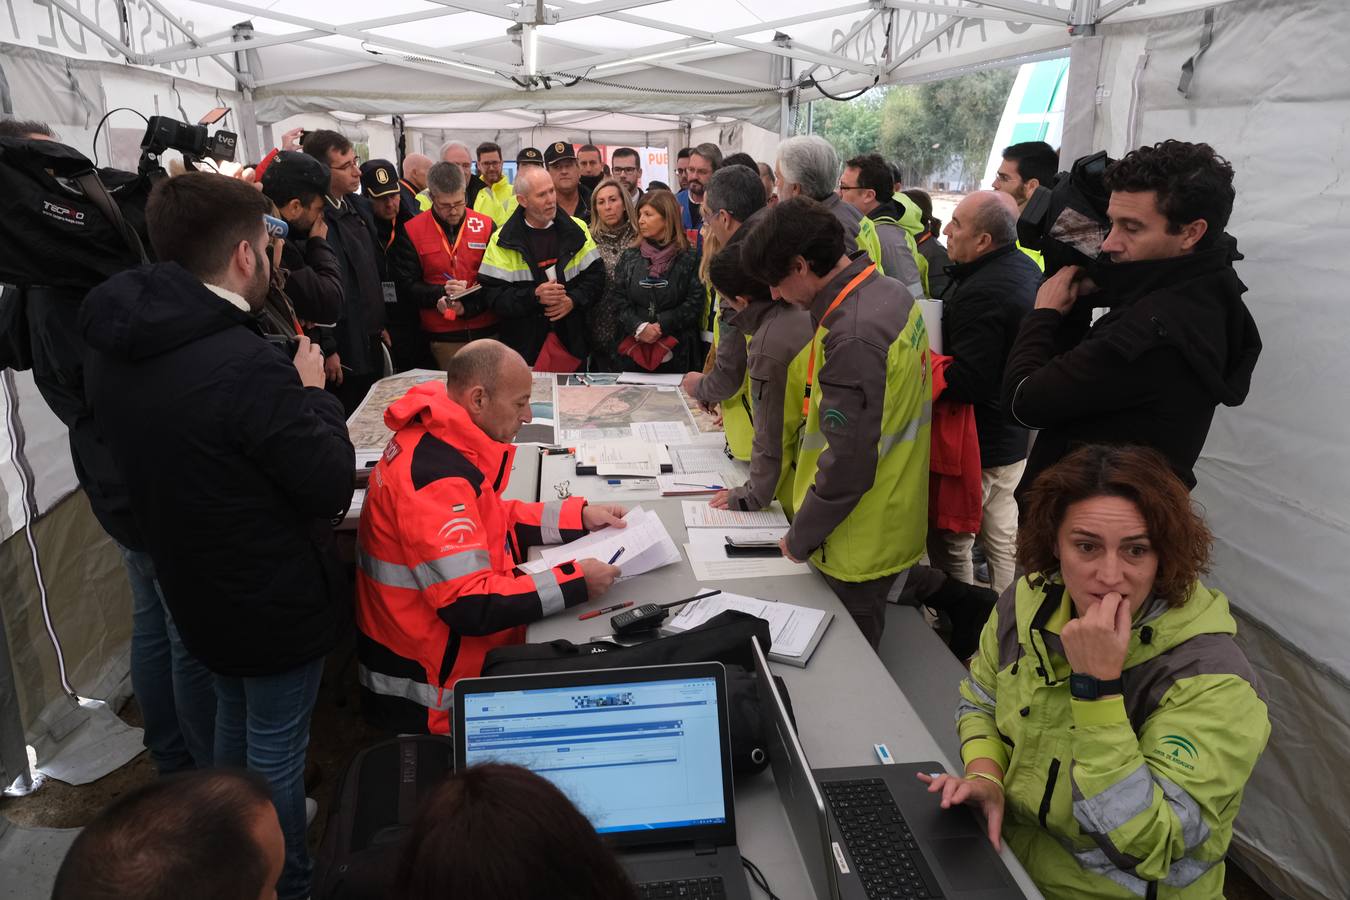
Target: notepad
x: 794, y: 630
x: 698, y: 514
x: 685, y: 483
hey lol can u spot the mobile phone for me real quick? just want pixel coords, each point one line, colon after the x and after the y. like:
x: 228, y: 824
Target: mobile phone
x: 743, y: 547
x: 214, y: 116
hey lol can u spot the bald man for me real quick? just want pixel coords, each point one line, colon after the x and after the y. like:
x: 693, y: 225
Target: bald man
x: 993, y: 286
x: 413, y: 185
x: 437, y: 549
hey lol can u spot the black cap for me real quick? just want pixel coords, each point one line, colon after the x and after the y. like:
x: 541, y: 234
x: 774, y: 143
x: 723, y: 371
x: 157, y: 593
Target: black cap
x: 559, y: 150
x: 379, y: 178
x: 291, y: 174
x: 529, y: 157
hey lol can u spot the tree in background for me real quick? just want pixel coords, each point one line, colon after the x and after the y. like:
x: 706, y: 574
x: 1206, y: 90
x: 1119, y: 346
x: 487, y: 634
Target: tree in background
x: 925, y: 127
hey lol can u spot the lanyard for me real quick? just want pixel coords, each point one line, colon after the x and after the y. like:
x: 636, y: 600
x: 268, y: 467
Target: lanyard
x: 393, y: 233
x: 445, y: 244
x: 811, y: 361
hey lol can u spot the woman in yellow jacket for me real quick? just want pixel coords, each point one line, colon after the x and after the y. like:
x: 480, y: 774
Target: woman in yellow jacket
x: 1110, y: 722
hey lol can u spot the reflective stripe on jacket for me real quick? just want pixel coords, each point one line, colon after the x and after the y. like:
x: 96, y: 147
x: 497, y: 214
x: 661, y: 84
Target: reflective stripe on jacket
x: 862, y: 468
x: 738, y: 421
x: 436, y: 587
x: 467, y: 249
x: 1130, y: 796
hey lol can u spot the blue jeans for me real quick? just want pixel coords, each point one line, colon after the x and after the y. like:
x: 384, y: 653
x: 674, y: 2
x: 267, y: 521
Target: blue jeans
x: 176, y: 693
x: 262, y: 724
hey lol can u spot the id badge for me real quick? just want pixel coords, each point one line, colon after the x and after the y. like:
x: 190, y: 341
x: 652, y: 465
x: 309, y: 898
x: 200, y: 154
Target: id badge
x: 390, y: 295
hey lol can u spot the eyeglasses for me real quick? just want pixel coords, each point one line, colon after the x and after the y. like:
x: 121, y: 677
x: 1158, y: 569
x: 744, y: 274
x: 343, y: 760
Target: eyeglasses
x: 351, y: 165
x: 625, y: 170
x: 852, y: 187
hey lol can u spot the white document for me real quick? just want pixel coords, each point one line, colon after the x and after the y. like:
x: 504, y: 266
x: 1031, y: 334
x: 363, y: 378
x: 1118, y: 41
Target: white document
x: 708, y: 555
x: 696, y: 482
x: 790, y: 627
x: 932, y: 322
x: 619, y: 457
x: 645, y: 543
x: 661, y: 432
x: 699, y: 458
x: 698, y: 514
x: 672, y: 380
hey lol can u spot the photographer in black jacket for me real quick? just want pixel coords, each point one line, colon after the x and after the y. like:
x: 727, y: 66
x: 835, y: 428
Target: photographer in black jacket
x: 53, y: 259
x: 236, y: 459
x: 297, y: 184
x: 1178, y: 339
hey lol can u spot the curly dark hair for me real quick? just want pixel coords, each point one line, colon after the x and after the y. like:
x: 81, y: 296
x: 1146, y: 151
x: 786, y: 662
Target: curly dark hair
x: 1191, y: 180
x: 1138, y: 474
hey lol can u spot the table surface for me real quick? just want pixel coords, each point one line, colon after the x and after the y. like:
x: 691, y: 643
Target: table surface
x: 844, y: 699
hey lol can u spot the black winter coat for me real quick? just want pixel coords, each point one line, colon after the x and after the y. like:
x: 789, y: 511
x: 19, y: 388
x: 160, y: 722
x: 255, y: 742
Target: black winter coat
x: 523, y: 325
x: 233, y: 468
x: 351, y: 234
x: 981, y: 313
x: 675, y: 303
x: 1177, y: 342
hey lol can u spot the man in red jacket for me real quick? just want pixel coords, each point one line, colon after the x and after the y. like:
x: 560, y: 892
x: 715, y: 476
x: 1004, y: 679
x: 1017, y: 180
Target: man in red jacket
x: 437, y: 583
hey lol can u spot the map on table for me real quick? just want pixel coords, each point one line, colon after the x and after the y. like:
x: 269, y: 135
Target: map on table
x: 366, y: 425
x: 705, y: 422
x: 606, y: 412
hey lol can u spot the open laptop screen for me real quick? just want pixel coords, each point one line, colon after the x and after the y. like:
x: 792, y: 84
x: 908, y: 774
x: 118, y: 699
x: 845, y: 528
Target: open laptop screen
x: 633, y: 756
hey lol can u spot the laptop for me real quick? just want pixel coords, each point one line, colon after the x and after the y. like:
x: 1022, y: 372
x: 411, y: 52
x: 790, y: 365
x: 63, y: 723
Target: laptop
x: 875, y: 831
x: 644, y: 753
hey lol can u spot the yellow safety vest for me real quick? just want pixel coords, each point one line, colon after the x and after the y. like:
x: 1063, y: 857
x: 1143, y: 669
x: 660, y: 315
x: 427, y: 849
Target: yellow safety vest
x: 885, y: 532
x: 737, y: 421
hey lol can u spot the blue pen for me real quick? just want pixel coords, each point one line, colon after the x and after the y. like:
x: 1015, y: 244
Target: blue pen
x: 711, y: 487
x: 617, y: 554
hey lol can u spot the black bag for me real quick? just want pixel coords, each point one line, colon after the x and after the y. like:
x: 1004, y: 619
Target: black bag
x: 374, y: 808
x: 65, y: 229
x: 725, y: 638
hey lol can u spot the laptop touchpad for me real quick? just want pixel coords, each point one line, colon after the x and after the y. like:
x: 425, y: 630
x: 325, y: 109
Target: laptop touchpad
x: 968, y: 863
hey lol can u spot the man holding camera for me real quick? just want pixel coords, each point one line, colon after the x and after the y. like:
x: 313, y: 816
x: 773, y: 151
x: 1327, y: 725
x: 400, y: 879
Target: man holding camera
x: 235, y: 459
x: 1178, y: 339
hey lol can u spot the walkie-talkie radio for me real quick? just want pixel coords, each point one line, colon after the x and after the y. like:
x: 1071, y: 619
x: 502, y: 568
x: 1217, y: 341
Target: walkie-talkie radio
x: 648, y: 615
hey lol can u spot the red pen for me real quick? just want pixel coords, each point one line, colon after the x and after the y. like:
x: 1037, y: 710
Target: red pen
x: 600, y: 612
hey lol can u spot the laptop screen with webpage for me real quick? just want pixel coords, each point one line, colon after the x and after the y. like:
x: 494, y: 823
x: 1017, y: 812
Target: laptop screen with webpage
x: 634, y: 756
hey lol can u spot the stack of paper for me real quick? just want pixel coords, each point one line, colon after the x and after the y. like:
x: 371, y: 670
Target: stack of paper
x: 709, y: 560
x: 661, y: 432
x: 644, y: 540
x: 699, y: 458
x: 698, y: 514
x: 626, y: 457
x: 794, y: 630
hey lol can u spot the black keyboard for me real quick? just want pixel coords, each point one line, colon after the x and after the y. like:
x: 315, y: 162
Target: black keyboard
x: 692, y: 888
x: 883, y: 850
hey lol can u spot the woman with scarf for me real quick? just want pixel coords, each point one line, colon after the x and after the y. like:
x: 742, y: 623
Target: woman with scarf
x: 657, y: 292
x: 614, y: 230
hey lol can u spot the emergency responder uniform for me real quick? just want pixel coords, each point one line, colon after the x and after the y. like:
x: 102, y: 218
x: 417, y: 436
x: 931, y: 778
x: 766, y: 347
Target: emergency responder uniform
x: 861, y: 485
x: 433, y: 253
x: 858, y: 229
x: 436, y: 587
x: 1133, y: 795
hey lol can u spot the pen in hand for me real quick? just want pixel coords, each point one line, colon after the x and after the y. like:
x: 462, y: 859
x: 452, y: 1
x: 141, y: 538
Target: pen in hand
x: 617, y: 554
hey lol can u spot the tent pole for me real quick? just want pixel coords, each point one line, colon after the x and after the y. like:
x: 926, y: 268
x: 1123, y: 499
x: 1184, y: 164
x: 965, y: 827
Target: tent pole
x: 248, y: 118
x: 1080, y: 100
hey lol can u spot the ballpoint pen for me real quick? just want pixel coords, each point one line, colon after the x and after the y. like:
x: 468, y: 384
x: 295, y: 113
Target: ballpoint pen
x: 617, y: 554
x: 608, y: 609
x: 711, y: 487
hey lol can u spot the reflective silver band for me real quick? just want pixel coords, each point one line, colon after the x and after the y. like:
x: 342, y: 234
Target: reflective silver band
x: 550, y: 592
x: 406, y: 688
x: 550, y: 524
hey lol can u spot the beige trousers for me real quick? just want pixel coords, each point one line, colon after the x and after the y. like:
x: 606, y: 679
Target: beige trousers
x: 950, y: 551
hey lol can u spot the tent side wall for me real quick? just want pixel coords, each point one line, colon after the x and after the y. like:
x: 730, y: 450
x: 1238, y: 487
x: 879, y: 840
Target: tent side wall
x: 1270, y: 94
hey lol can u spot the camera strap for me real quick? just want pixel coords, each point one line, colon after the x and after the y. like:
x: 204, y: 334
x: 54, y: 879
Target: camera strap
x: 96, y: 192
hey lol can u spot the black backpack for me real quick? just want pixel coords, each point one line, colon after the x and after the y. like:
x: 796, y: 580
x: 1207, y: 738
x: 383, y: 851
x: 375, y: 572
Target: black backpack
x: 374, y: 808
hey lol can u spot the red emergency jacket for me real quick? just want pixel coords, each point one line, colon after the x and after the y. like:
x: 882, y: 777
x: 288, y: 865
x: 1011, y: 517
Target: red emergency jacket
x: 460, y: 260
x: 437, y: 545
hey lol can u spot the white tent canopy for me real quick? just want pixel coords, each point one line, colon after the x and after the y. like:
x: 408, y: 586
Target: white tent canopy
x: 1269, y: 90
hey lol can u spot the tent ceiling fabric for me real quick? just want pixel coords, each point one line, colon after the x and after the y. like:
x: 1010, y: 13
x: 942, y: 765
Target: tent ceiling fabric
x: 637, y: 56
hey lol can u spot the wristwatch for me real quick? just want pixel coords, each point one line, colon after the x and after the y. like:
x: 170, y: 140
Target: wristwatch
x: 1086, y: 687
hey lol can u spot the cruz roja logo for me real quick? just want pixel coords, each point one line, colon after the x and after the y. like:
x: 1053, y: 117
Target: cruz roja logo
x: 1178, y: 750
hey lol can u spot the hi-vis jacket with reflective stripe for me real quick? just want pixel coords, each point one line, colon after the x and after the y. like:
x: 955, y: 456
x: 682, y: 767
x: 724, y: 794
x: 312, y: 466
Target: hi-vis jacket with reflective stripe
x: 435, y: 585
x: 730, y: 366
x: 861, y: 485
x: 858, y: 229
x: 1122, y: 797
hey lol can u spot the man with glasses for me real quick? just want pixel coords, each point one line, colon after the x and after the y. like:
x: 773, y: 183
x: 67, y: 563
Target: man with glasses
x: 477, y: 193
x: 626, y: 165
x: 704, y: 160
x: 682, y: 167
x: 492, y: 173
x: 437, y: 261
x: 359, y: 360
x: 866, y: 186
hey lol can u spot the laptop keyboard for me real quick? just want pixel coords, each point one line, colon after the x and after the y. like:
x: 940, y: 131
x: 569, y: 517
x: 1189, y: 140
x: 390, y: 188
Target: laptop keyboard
x: 691, y: 888
x: 884, y: 851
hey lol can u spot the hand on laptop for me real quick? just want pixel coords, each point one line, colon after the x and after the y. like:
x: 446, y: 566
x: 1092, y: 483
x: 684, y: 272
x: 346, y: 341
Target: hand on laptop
x: 973, y: 791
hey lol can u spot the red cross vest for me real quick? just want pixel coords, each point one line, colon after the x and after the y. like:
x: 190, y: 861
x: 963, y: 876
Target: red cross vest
x: 440, y: 259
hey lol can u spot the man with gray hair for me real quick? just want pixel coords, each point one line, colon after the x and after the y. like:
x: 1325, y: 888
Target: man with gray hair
x: 733, y: 196
x: 436, y: 264
x: 993, y: 287
x: 807, y: 166
x: 477, y: 193
x: 413, y: 184
x: 437, y: 585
